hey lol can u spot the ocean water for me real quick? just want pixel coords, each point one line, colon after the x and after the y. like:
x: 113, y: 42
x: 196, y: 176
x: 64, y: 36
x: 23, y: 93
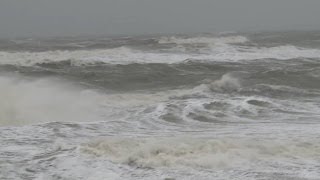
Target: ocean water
x: 234, y: 106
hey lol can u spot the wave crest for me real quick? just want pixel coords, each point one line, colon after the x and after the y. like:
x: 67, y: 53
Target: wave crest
x: 198, y: 153
x: 204, y: 40
x: 38, y: 101
x: 125, y: 55
x: 227, y: 83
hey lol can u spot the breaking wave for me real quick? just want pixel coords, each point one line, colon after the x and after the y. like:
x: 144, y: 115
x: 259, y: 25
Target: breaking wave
x: 199, y: 153
x: 226, y: 83
x: 223, y: 107
x: 45, y: 100
x: 226, y: 100
x: 204, y: 40
x: 207, y: 49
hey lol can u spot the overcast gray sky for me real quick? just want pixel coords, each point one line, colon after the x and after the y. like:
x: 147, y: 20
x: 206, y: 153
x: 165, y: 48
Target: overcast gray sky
x: 75, y: 17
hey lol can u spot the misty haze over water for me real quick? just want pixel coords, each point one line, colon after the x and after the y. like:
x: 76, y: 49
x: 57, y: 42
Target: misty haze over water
x: 159, y: 89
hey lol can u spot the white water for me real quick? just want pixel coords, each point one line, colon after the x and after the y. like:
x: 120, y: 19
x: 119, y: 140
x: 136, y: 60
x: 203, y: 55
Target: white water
x: 52, y: 100
x: 45, y: 100
x: 215, y: 49
x: 220, y: 129
x: 135, y: 139
x: 200, y: 153
x: 204, y: 40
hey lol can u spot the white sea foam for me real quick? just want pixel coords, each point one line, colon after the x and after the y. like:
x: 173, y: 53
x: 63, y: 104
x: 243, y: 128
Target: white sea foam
x: 124, y: 55
x: 221, y: 101
x: 225, y: 128
x: 199, y: 153
x: 48, y: 100
x: 226, y: 83
x: 30, y: 101
x: 120, y: 55
x: 35, y: 101
x: 204, y: 40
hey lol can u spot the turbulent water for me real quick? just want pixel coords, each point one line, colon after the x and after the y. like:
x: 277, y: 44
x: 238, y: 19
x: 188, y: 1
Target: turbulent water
x: 199, y: 106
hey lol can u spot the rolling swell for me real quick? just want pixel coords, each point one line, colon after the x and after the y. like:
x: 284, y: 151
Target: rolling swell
x: 301, y: 75
x: 230, y: 106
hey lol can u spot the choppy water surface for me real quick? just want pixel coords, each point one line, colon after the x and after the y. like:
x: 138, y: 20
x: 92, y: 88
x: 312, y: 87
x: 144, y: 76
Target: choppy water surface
x: 202, y: 106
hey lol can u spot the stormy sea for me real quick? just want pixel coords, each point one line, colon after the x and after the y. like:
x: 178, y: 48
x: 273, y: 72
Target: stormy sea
x: 236, y: 106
